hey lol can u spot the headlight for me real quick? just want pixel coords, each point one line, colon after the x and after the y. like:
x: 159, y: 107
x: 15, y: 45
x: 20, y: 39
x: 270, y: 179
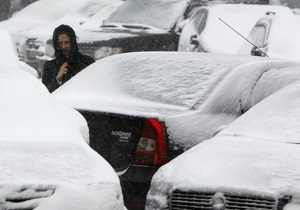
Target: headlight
x: 106, y: 51
x: 49, y: 49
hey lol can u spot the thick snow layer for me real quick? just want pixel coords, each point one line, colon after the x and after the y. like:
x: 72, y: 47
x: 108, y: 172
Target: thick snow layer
x: 44, y: 143
x: 136, y: 82
x: 255, y: 154
x: 226, y: 26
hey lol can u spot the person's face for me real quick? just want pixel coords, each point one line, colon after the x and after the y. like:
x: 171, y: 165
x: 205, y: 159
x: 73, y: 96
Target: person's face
x: 64, y: 43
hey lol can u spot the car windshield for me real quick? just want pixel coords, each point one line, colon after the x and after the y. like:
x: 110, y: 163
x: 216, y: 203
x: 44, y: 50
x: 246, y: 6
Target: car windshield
x: 158, y: 14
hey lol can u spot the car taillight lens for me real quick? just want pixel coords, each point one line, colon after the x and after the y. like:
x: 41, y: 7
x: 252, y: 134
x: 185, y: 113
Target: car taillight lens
x: 151, y: 149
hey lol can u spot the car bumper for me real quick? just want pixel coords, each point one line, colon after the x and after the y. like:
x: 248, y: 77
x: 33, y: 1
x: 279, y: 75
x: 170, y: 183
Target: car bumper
x: 135, y: 184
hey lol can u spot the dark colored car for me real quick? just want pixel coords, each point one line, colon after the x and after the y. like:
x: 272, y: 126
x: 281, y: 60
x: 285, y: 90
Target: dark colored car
x: 145, y: 108
x: 138, y: 25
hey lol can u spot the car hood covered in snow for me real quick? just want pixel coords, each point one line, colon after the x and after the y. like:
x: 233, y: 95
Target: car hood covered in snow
x: 257, y: 153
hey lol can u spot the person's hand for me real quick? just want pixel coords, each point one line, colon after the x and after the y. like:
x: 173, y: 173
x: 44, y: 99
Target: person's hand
x: 62, y: 71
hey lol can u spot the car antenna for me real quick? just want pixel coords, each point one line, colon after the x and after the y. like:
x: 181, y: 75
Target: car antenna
x: 244, y: 38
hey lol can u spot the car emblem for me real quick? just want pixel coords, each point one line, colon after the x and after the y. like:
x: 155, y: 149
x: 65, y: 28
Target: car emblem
x: 123, y: 136
x: 218, y: 202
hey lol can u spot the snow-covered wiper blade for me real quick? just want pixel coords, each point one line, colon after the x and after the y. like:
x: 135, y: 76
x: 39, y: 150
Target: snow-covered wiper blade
x: 293, y: 142
x: 108, y: 26
x: 136, y: 26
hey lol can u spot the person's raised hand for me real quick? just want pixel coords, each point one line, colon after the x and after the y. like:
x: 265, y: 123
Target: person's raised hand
x: 62, y: 71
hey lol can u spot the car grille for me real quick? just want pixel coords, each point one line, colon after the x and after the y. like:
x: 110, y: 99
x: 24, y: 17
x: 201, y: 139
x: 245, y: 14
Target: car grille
x: 31, y: 49
x: 87, y: 49
x: 202, y: 200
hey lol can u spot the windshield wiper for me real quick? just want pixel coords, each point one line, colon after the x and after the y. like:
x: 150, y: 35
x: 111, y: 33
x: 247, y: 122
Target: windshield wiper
x: 292, y: 142
x: 108, y: 26
x: 136, y: 27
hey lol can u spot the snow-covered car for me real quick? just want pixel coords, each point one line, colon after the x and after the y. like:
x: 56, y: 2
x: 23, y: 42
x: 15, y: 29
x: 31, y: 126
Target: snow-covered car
x: 9, y: 56
x: 216, y: 28
x: 145, y: 108
x: 251, y: 164
x: 46, y: 162
x: 80, y: 11
x: 37, y: 13
x: 138, y: 25
x: 274, y: 36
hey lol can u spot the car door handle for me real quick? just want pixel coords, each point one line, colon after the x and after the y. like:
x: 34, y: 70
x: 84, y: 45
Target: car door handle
x: 193, y: 40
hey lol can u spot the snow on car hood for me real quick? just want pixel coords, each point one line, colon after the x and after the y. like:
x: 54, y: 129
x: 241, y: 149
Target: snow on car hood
x: 257, y: 152
x: 236, y: 163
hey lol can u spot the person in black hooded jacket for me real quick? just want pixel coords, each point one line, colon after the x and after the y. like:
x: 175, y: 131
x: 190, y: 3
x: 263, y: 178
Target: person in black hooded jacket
x: 68, y: 60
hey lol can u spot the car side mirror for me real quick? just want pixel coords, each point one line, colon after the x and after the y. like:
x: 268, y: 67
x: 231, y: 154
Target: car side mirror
x: 256, y: 51
x: 193, y: 40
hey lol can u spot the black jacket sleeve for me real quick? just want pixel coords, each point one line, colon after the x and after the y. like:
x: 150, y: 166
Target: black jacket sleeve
x: 49, y: 76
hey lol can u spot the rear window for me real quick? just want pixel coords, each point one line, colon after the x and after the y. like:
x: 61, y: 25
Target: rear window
x: 172, y: 78
x: 180, y: 80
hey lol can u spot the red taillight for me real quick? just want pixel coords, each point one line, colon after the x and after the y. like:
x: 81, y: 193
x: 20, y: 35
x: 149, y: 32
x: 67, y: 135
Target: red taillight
x: 151, y: 149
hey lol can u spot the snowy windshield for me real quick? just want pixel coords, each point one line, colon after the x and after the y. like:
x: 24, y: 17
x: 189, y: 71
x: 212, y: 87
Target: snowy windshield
x: 155, y: 13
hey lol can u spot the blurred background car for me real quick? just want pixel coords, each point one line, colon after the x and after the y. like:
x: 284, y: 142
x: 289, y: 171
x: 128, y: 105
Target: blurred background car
x: 9, y: 56
x: 34, y: 15
x: 208, y: 30
x: 138, y: 26
x: 248, y: 165
x: 46, y: 162
x: 274, y: 36
x: 72, y: 16
x: 41, y: 48
x: 145, y: 108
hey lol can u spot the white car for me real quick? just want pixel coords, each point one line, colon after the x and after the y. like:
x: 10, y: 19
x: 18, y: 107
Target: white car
x: 45, y: 160
x: 251, y: 164
x: 274, y: 36
x: 216, y: 28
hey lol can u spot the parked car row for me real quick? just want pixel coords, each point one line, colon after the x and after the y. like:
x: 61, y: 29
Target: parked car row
x: 155, y: 27
x: 145, y: 108
x: 141, y: 110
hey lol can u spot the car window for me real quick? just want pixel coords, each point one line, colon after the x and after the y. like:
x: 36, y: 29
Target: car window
x: 258, y: 35
x: 159, y: 14
x: 177, y: 80
x: 200, y: 21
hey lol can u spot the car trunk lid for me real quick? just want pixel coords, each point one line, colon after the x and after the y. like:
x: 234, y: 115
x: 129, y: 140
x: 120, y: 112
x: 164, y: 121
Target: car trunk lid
x: 124, y: 140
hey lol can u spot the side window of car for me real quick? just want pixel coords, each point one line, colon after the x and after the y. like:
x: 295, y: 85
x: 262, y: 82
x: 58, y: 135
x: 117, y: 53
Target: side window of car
x: 258, y: 35
x: 198, y: 21
x: 201, y: 21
